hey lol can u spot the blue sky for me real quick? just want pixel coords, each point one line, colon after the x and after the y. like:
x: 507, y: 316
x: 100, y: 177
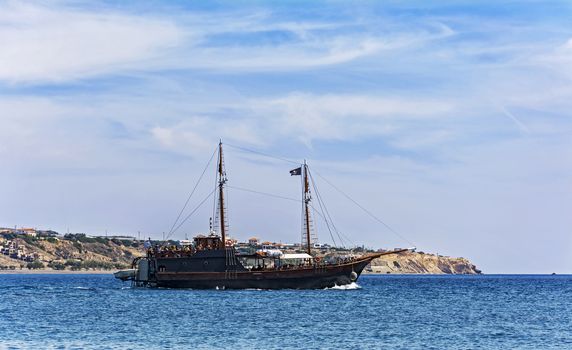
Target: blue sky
x: 450, y: 121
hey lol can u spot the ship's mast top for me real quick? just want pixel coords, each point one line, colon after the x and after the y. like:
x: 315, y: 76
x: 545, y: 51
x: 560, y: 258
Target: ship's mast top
x: 307, y: 199
x: 221, y: 182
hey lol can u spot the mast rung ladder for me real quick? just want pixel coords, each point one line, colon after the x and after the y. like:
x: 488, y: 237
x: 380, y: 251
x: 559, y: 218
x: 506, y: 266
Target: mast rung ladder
x: 230, y: 257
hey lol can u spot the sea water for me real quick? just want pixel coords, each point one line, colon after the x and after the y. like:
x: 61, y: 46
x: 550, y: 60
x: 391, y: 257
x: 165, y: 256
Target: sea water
x: 380, y: 312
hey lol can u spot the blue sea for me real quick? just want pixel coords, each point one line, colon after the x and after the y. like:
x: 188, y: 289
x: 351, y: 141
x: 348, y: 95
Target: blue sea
x: 381, y: 312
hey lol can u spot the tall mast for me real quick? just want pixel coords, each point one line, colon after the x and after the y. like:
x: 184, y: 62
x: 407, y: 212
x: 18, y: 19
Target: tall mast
x: 307, y: 199
x: 221, y: 181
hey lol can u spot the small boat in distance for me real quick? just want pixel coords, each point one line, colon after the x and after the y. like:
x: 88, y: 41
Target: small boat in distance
x: 211, y: 261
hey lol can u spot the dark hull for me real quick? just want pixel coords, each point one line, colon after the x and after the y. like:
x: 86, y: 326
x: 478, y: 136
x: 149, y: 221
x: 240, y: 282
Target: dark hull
x: 317, y: 277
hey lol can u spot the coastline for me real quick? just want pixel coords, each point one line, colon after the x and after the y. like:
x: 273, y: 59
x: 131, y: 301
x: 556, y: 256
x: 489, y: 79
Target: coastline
x: 54, y: 272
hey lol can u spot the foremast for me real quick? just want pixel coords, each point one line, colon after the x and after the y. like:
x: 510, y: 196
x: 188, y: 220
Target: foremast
x: 221, y: 182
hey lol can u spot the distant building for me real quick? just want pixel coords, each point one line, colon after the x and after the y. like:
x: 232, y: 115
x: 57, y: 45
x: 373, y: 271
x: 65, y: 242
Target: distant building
x: 15, y: 251
x: 253, y: 241
x: 31, y: 232
x: 268, y: 245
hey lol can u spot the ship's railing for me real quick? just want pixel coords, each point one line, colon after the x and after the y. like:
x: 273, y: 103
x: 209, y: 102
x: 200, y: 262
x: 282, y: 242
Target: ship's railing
x: 315, y: 263
x: 170, y: 252
x: 175, y: 251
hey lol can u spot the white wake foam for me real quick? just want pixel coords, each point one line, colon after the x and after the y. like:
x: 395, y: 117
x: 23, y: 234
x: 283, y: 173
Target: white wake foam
x: 84, y: 288
x: 351, y: 286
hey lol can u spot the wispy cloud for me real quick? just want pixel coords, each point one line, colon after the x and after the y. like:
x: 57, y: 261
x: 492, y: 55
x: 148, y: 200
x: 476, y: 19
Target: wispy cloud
x: 347, y: 117
x: 43, y: 44
x: 62, y: 43
x: 518, y: 123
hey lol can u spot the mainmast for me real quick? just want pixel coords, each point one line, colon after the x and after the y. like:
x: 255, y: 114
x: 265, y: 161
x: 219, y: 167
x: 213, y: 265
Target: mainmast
x: 221, y: 182
x: 307, y: 199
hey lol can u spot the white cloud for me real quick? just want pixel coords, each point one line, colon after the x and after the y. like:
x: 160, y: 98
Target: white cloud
x: 42, y: 44
x: 557, y: 58
x: 184, y: 138
x: 196, y: 135
x: 72, y: 129
x: 346, y: 117
x: 316, y: 45
x: 311, y: 117
x: 62, y: 43
x: 285, y: 57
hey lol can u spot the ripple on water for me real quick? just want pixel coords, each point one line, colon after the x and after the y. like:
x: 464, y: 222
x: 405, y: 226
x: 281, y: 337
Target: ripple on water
x: 408, y: 312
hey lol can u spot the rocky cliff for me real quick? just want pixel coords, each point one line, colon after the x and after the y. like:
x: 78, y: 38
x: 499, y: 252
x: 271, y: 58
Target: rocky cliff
x: 421, y: 263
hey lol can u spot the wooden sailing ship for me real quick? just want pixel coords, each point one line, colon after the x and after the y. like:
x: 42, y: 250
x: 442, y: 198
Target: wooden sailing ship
x: 211, y: 262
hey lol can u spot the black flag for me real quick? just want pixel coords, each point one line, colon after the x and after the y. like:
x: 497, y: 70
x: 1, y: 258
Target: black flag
x: 297, y: 171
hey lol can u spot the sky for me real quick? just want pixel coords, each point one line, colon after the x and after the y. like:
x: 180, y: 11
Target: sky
x: 449, y: 121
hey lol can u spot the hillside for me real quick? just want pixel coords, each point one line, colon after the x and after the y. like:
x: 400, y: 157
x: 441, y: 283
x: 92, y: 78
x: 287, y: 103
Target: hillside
x: 422, y: 263
x: 78, y: 252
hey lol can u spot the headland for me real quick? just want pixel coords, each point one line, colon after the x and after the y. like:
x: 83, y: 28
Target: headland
x: 28, y: 251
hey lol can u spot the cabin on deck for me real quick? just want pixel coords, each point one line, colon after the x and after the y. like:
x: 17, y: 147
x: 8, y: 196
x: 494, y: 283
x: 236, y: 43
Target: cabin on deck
x: 208, y: 242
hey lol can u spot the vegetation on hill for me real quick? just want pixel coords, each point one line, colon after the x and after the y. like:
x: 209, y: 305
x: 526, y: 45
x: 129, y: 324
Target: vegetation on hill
x: 75, y: 252
x: 79, y: 252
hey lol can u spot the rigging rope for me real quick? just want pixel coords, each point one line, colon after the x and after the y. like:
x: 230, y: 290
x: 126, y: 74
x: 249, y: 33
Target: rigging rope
x: 264, y: 193
x: 293, y: 200
x: 262, y: 154
x: 190, y: 214
x: 215, y: 213
x: 366, y: 211
x: 322, y: 209
x: 192, y: 192
x: 327, y: 212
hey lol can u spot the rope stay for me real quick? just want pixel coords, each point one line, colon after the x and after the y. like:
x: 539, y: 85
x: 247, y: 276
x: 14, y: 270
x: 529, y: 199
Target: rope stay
x: 341, y: 236
x: 214, y: 215
x: 191, y: 194
x: 322, y: 205
x: 327, y: 217
x: 264, y: 193
x: 262, y: 154
x: 366, y: 211
x: 190, y: 214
